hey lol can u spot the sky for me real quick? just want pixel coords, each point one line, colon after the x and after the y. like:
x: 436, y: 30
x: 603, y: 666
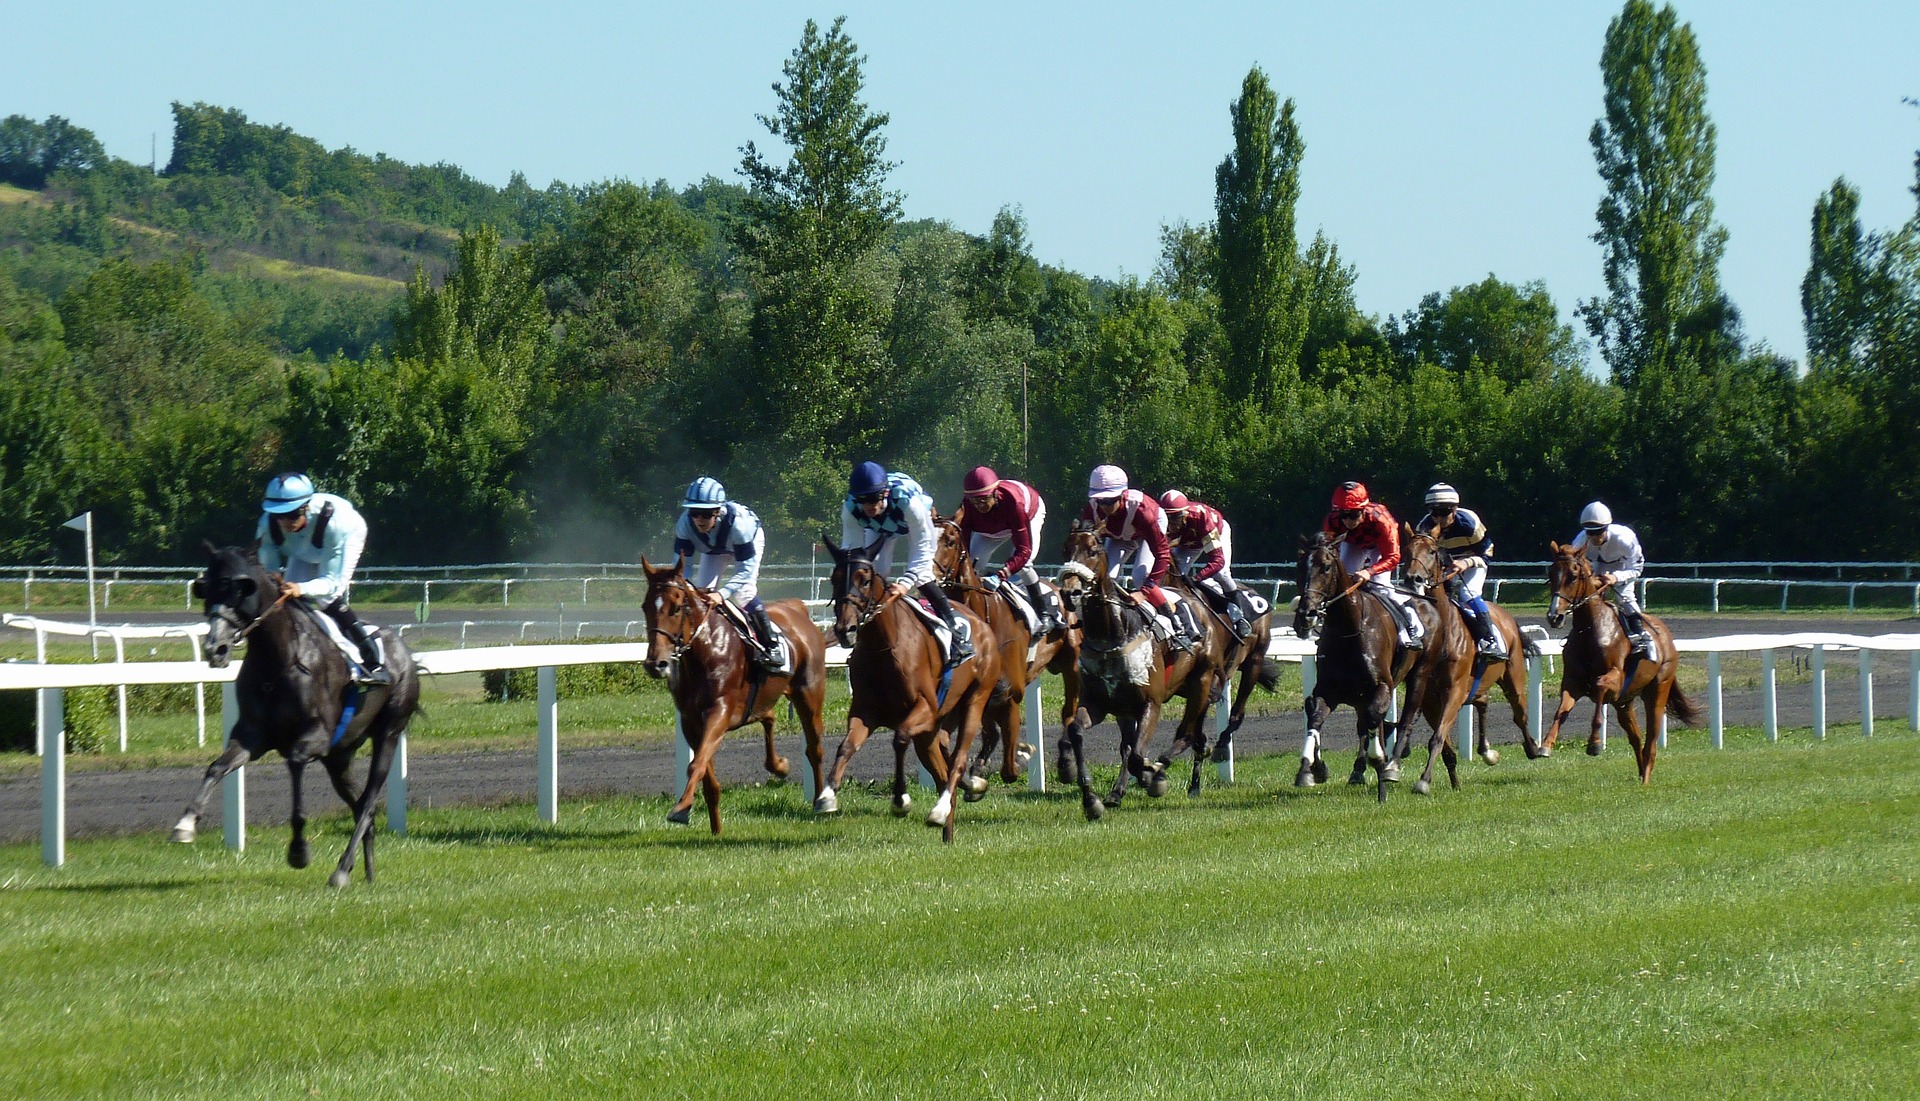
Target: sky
x: 1444, y: 142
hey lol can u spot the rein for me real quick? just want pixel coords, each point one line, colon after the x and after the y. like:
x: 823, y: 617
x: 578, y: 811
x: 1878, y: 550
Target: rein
x: 243, y: 632
x: 683, y: 640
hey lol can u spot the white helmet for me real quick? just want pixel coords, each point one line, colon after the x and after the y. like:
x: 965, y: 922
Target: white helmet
x: 1106, y: 481
x: 1595, y: 516
x: 1440, y: 493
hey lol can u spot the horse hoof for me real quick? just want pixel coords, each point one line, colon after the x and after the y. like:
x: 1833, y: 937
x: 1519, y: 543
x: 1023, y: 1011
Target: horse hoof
x: 1222, y: 750
x: 1094, y: 811
x: 1305, y: 777
x: 1390, y: 772
x: 1111, y: 801
x: 1543, y: 752
x: 901, y: 804
x: 679, y: 817
x: 1320, y: 773
x: 1491, y: 756
x: 340, y: 879
x: 1421, y: 787
x: 972, y: 793
x: 1359, y: 774
x: 298, y: 856
x: 827, y: 803
x: 1024, y: 754
x: 1593, y: 749
x: 1157, y: 786
x: 780, y: 768
x: 181, y: 835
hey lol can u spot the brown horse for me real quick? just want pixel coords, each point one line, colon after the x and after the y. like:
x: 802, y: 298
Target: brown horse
x: 896, y: 673
x: 1130, y: 673
x: 1058, y: 652
x: 1249, y: 658
x: 714, y: 684
x: 1600, y: 665
x: 1357, y: 659
x: 1429, y: 569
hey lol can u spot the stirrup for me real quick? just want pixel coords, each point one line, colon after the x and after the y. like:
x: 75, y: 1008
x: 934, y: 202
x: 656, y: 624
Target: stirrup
x: 377, y: 677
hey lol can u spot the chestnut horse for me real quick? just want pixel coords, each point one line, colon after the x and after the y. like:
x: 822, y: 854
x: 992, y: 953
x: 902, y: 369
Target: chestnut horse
x: 1429, y: 569
x: 1058, y: 652
x: 899, y: 682
x: 1249, y: 658
x: 1599, y: 662
x: 1358, y: 663
x: 715, y: 686
x: 292, y: 690
x: 1128, y: 672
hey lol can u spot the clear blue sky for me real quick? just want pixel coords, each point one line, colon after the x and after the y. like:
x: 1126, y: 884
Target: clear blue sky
x: 1444, y: 141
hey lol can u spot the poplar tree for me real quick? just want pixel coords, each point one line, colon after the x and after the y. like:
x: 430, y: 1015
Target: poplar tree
x: 1258, y: 275
x: 1836, y: 297
x: 1655, y: 148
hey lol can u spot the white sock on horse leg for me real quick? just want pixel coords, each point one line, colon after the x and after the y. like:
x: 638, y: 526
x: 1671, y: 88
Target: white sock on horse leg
x: 1310, y: 747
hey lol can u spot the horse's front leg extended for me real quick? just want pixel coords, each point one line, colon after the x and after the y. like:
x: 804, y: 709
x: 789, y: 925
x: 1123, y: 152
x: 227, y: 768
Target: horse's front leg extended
x: 1596, y: 736
x: 1074, y: 738
x: 1129, y: 756
x: 1313, y: 768
x: 700, y: 770
x: 237, y: 753
x: 298, y: 854
x: 1565, y: 708
x: 827, y: 802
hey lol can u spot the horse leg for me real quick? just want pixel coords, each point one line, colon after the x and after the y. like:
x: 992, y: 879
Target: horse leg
x: 1010, y: 727
x: 384, y: 744
x: 1654, y: 699
x: 238, y: 752
x: 1601, y: 697
x: 808, y: 704
x: 1129, y: 754
x: 298, y: 854
x: 1313, y: 769
x: 1552, y: 736
x: 700, y: 772
x: 1642, y: 744
x: 826, y: 802
x: 968, y: 729
x: 1511, y: 688
x: 776, y: 765
x: 1074, y: 739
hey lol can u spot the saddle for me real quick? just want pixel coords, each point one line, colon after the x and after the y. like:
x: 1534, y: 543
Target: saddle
x: 349, y: 649
x: 938, y: 627
x: 1402, y: 620
x: 1018, y: 599
x: 782, y: 651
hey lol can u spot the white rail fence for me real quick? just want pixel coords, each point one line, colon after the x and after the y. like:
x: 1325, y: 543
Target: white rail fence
x: 51, y: 681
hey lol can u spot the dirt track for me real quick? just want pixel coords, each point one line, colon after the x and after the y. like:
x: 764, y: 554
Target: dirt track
x: 143, y: 801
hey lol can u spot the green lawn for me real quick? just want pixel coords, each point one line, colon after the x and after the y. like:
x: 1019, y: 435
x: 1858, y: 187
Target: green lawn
x: 1744, y: 928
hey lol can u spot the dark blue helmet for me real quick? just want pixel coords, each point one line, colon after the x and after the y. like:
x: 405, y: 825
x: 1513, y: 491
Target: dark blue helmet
x: 868, y: 479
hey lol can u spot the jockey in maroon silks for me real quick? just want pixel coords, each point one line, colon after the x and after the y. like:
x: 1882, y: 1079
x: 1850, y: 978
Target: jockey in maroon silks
x: 1370, y: 550
x: 998, y: 511
x: 1134, y: 531
x: 1202, y: 543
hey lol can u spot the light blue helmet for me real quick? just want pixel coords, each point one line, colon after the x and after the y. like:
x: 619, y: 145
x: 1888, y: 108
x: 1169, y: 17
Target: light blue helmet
x: 705, y: 493
x: 287, y: 493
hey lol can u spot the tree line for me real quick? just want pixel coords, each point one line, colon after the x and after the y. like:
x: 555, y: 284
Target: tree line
x: 561, y: 362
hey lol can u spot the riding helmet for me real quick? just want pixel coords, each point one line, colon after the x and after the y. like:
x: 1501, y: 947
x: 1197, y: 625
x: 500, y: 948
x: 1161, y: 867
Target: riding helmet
x: 1595, y: 516
x: 1348, y: 495
x: 868, y: 478
x: 1106, y: 481
x: 705, y: 493
x: 1440, y: 493
x: 1174, y: 501
x: 287, y: 493
x: 979, y: 482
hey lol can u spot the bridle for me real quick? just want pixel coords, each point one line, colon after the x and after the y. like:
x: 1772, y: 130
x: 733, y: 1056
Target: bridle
x: 1104, y: 590
x: 1557, y: 597
x: 229, y: 615
x: 682, y: 640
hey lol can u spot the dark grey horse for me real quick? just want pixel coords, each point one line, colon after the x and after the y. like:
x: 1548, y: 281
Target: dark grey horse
x: 293, y: 689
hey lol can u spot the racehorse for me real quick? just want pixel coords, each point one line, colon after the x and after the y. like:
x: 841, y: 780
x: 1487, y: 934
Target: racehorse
x: 1599, y: 662
x: 294, y: 689
x: 1129, y: 673
x: 1058, y: 652
x: 900, y: 682
x: 716, y: 687
x: 1357, y: 660
x: 1429, y: 569
x: 1249, y: 658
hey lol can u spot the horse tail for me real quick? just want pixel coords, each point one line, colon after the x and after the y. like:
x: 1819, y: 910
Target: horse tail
x: 1269, y: 675
x: 1529, y: 646
x: 1682, y: 708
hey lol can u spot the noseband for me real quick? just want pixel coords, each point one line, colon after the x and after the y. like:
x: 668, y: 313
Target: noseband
x: 683, y: 639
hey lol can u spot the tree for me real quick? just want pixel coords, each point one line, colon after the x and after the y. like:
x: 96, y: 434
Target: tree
x: 1843, y: 291
x: 1655, y: 148
x: 1263, y: 304
x: 1515, y: 332
x: 31, y: 152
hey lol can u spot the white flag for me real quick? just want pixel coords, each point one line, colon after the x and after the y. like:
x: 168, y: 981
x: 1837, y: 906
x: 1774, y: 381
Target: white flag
x: 79, y: 523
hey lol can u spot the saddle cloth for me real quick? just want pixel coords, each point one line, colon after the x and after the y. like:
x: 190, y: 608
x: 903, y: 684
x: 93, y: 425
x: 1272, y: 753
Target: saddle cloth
x: 349, y: 649
x: 783, y: 652
x: 1021, y: 605
x: 941, y: 635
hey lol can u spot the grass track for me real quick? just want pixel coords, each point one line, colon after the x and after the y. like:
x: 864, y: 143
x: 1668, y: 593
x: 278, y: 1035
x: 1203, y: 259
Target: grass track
x: 1747, y: 927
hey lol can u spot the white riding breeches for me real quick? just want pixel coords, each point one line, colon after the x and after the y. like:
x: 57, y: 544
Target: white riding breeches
x: 1124, y: 555
x: 982, y: 547
x: 1624, y: 596
x: 1470, y: 584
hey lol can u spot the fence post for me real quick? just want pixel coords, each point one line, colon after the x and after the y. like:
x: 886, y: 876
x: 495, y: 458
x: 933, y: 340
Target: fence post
x: 1913, y: 690
x: 1769, y: 702
x: 1785, y: 588
x: 52, y: 724
x: 1716, y: 595
x: 233, y: 787
x: 1463, y: 731
x: 397, y: 788
x: 120, y: 657
x: 547, y: 791
x: 1818, y: 662
x: 1714, y: 714
x: 1036, y: 727
x: 1866, y: 692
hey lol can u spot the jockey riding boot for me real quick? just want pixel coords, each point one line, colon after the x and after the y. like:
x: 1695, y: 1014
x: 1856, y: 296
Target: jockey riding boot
x: 1416, y: 631
x: 367, y: 636
x: 768, y: 655
x: 1237, y: 617
x: 1047, y: 603
x: 1481, y: 624
x: 1637, y: 631
x: 1188, y: 627
x: 962, y: 636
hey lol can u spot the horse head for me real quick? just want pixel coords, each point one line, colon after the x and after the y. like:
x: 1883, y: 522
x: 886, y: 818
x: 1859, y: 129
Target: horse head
x: 232, y: 594
x: 859, y: 592
x: 1570, y: 582
x: 952, y: 565
x: 1085, y: 564
x: 675, y: 611
x: 1427, y: 562
x: 1321, y: 580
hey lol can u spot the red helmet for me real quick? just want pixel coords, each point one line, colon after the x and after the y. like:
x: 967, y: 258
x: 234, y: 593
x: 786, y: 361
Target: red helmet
x: 1174, y: 501
x: 979, y: 482
x: 1348, y: 495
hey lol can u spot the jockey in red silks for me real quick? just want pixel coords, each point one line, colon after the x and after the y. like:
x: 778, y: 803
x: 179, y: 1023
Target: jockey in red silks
x: 1202, y: 543
x: 999, y: 511
x: 1134, y: 531
x: 1370, y: 551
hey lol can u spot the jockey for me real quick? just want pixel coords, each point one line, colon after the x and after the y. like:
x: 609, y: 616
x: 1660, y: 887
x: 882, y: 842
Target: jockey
x: 724, y: 533
x: 1134, y: 531
x: 1464, y: 537
x: 313, y: 541
x: 998, y: 511
x: 1370, y: 549
x: 1202, y: 545
x: 1613, y: 550
x: 882, y: 507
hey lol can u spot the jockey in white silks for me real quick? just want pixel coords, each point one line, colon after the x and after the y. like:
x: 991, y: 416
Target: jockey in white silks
x: 727, y: 538
x: 1613, y: 550
x: 313, y: 541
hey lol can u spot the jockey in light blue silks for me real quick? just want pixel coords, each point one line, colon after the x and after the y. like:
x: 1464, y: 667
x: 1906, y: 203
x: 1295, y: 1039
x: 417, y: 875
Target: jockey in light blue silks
x: 313, y: 541
x: 1613, y: 550
x: 883, y: 508
x: 1464, y: 537
x: 726, y: 534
